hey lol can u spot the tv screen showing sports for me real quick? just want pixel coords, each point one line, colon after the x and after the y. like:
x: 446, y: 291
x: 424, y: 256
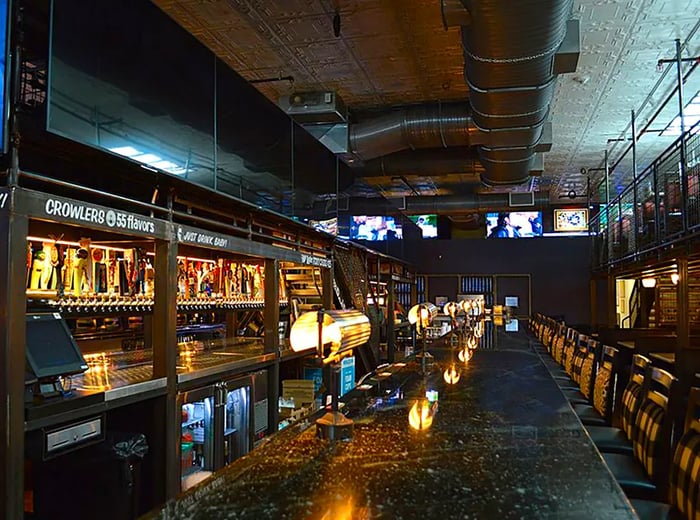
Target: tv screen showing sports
x: 427, y: 224
x: 329, y: 226
x: 571, y: 219
x: 514, y: 224
x: 374, y: 228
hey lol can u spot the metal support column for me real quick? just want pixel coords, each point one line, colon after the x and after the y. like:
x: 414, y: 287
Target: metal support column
x: 611, y: 299
x: 635, y: 210
x: 683, y: 151
x: 607, y: 180
x: 327, y: 288
x: 390, y: 330
x: 272, y: 340
x: 14, y: 230
x: 165, y: 355
x: 682, y: 307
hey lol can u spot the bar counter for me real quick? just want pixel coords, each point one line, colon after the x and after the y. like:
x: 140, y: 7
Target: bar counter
x: 504, y: 443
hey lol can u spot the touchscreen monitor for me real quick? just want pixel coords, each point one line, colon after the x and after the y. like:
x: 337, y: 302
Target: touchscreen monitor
x: 51, y: 350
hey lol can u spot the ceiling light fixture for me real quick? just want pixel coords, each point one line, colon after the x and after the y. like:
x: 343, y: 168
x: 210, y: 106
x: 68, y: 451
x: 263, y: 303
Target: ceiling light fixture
x: 691, y: 115
x: 649, y: 283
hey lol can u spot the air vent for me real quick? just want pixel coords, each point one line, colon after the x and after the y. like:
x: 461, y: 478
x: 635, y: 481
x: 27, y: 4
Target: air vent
x: 521, y: 199
x: 397, y: 202
x: 314, y: 107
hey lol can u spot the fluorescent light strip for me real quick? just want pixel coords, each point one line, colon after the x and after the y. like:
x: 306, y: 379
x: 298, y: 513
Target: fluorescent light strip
x: 74, y: 244
x: 691, y: 115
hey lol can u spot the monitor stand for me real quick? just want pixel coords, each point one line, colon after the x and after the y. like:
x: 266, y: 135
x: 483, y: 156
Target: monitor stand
x: 46, y: 388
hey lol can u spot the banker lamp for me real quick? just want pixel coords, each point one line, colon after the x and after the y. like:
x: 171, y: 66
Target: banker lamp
x: 333, y: 334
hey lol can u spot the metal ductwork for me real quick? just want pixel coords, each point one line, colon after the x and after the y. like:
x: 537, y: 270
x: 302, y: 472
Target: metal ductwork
x: 423, y: 205
x: 513, y: 54
x: 427, y: 162
x: 449, y: 204
x: 413, y: 127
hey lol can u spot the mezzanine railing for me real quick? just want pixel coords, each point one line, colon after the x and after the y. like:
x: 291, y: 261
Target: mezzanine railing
x: 655, y: 211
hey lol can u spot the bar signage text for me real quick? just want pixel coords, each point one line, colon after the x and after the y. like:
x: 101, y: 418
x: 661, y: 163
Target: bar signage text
x: 316, y: 261
x: 203, y: 239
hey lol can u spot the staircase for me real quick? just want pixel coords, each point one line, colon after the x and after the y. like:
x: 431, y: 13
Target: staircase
x: 304, y: 288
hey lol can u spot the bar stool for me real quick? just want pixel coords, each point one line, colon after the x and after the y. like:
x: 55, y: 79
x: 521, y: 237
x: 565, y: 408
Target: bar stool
x: 684, y: 475
x: 599, y: 413
x: 645, y: 473
x: 609, y: 439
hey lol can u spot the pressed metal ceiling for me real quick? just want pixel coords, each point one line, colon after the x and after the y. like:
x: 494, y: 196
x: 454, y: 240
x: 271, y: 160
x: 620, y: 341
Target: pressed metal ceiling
x: 396, y: 52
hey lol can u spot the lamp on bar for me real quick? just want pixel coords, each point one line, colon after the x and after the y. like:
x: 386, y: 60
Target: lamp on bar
x: 334, y: 334
x: 422, y: 314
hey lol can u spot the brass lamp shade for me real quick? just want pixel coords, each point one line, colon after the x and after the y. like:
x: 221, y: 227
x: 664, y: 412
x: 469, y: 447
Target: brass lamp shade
x: 341, y: 329
x: 422, y: 314
x: 451, y: 309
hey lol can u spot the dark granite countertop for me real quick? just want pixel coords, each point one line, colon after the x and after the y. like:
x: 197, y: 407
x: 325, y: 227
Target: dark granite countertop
x: 504, y: 444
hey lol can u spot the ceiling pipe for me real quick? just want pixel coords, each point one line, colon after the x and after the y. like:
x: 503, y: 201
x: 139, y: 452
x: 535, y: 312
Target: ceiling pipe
x: 429, y: 162
x: 413, y: 127
x: 512, y: 58
x: 424, y: 205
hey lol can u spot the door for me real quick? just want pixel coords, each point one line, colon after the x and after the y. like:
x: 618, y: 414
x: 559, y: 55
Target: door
x: 235, y: 407
x: 196, y: 436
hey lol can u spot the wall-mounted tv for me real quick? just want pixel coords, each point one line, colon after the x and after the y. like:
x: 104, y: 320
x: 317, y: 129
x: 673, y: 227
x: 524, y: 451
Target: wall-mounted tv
x: 329, y: 226
x: 427, y: 224
x: 364, y: 227
x: 514, y: 224
x: 4, y: 69
x: 571, y: 219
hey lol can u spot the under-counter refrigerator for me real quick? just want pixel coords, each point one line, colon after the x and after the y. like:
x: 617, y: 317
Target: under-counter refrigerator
x: 219, y: 424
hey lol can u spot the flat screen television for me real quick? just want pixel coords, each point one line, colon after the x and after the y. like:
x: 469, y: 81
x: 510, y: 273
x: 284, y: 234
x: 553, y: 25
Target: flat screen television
x: 571, y: 219
x: 427, y: 224
x: 51, y: 350
x: 4, y: 72
x: 329, y: 226
x: 374, y: 228
x: 514, y: 224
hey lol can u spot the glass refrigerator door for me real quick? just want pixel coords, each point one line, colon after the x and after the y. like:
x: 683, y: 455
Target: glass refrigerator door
x: 197, y: 441
x: 236, y: 423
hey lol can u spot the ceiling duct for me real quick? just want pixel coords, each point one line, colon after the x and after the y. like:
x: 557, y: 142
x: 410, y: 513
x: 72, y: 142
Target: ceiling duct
x: 413, y: 127
x: 429, y: 162
x: 512, y: 57
x: 423, y: 205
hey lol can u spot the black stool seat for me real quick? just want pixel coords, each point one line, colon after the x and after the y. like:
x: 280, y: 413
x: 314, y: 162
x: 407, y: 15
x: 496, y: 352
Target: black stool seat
x: 568, y: 384
x: 651, y: 510
x: 609, y: 440
x: 574, y: 396
x: 630, y: 475
x: 588, y: 415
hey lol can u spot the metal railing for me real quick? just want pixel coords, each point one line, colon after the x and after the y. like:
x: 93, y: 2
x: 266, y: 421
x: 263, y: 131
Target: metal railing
x: 649, y: 215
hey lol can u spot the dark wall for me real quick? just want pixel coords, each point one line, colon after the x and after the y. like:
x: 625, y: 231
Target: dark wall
x: 559, y: 267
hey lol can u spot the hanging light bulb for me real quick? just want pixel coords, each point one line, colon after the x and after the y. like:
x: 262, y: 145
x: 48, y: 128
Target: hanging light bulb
x: 464, y: 355
x: 471, y: 342
x: 674, y: 278
x: 421, y: 415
